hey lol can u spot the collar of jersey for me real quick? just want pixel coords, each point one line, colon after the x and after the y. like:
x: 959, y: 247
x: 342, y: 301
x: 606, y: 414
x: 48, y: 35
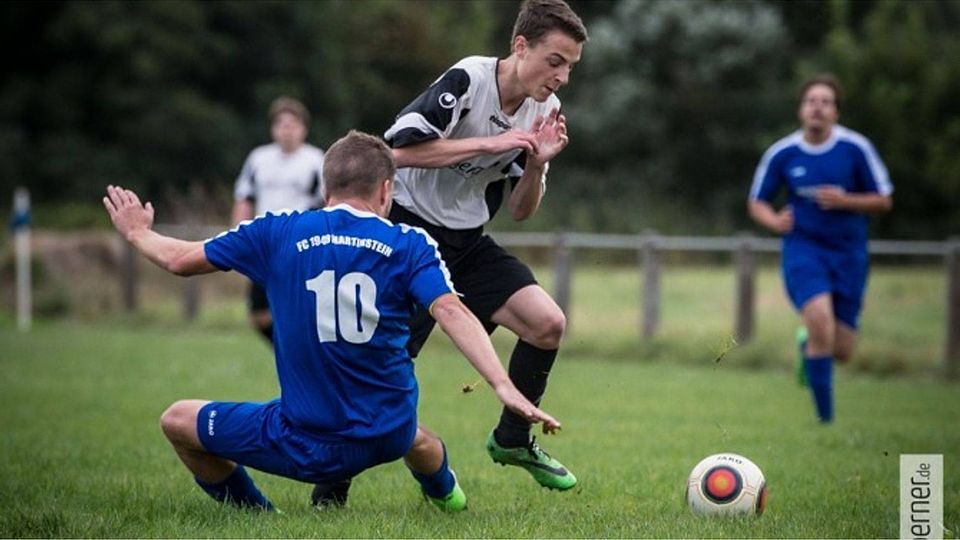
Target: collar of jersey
x: 823, y: 147
x: 359, y: 213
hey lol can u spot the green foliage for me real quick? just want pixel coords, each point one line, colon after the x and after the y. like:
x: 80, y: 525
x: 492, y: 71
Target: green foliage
x: 902, y: 94
x: 686, y: 90
x: 669, y: 110
x: 160, y: 96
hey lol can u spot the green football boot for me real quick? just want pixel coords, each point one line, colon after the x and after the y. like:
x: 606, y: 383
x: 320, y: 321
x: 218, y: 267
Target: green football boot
x: 799, y: 369
x: 455, y: 501
x: 548, y: 472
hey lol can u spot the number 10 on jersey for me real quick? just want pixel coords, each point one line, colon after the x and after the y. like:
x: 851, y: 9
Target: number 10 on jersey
x: 348, y: 306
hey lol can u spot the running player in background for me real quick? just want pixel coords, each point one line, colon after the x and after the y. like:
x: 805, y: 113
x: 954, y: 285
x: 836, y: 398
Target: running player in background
x: 342, y: 282
x: 283, y: 175
x: 834, y: 178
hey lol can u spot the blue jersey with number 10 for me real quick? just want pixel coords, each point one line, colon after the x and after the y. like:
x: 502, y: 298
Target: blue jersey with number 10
x: 342, y: 284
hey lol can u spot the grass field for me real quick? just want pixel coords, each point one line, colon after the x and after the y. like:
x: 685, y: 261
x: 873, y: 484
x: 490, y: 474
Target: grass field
x: 83, y: 456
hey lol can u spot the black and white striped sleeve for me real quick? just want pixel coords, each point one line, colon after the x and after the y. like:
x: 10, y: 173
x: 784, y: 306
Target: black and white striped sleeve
x: 434, y: 113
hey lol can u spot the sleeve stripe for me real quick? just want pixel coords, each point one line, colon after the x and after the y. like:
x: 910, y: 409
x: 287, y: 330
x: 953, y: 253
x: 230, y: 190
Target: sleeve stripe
x: 877, y: 169
x: 404, y: 228
x: 414, y: 121
x: 768, y: 156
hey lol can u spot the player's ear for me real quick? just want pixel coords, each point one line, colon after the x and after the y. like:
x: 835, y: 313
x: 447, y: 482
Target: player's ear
x: 386, y: 191
x: 386, y: 196
x: 520, y: 46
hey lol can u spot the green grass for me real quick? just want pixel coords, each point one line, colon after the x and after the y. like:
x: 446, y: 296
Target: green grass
x: 82, y: 455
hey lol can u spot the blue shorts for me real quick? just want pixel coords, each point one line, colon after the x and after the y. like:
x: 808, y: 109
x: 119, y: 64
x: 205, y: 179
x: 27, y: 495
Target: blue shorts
x: 810, y: 269
x: 258, y: 435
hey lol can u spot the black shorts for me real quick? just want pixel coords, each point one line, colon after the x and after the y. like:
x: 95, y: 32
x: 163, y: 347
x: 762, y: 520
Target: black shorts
x: 257, y: 298
x: 484, y: 274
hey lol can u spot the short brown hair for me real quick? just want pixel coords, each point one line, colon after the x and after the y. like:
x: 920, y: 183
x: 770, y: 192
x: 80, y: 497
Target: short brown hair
x: 284, y: 104
x: 356, y: 164
x: 537, y: 18
x: 826, y: 79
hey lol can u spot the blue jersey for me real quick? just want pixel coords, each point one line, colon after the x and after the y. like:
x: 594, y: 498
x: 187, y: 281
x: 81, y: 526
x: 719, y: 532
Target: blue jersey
x: 342, y: 284
x: 846, y: 160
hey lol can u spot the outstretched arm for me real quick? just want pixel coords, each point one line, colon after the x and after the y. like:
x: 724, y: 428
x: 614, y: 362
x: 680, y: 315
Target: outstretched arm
x: 134, y: 221
x: 472, y: 340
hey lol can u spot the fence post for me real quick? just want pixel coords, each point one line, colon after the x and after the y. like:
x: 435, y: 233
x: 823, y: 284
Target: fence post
x: 20, y: 223
x: 952, y: 352
x: 131, y: 277
x: 191, y: 298
x: 191, y: 285
x: 745, y: 260
x: 650, y: 309
x: 562, y: 272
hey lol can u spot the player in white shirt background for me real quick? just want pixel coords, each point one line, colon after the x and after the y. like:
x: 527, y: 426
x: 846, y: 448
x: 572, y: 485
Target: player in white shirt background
x: 284, y: 175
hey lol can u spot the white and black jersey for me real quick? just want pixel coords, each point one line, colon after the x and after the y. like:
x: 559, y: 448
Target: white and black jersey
x: 276, y: 181
x: 463, y: 102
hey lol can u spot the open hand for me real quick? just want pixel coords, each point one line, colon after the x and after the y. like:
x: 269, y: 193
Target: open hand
x: 126, y: 211
x: 551, y: 136
x: 784, y: 220
x: 831, y: 197
x: 512, y: 140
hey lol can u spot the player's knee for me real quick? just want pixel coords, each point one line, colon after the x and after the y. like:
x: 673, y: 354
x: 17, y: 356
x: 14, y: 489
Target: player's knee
x: 177, y: 421
x: 843, y: 352
x: 424, y: 441
x: 549, y: 332
x: 820, y: 335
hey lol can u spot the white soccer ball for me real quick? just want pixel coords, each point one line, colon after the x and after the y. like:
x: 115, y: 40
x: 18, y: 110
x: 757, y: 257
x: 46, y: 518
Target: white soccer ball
x: 726, y: 484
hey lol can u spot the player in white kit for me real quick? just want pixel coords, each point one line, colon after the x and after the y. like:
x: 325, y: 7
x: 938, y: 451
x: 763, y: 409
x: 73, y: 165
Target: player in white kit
x: 283, y: 175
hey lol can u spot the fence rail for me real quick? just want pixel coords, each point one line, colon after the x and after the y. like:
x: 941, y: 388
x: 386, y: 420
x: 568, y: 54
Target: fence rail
x: 649, y: 248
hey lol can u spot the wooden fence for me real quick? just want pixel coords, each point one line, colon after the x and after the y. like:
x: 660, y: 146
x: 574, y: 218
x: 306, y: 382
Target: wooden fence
x: 649, y: 248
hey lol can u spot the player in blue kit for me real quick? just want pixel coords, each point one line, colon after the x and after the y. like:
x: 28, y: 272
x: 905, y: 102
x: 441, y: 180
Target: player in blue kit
x: 834, y: 178
x: 342, y: 283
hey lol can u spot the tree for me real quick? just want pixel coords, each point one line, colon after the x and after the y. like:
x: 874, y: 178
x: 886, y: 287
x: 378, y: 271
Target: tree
x: 674, y: 102
x: 902, y: 81
x: 166, y: 95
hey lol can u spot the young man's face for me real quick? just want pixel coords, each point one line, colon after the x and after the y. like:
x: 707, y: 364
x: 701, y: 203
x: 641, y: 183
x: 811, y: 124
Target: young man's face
x: 818, y: 108
x: 288, y: 131
x: 545, y: 67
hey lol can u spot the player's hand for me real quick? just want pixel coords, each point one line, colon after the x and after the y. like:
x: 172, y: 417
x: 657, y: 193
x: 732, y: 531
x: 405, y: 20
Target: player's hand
x: 516, y: 402
x: 783, y: 223
x: 126, y: 211
x: 551, y: 135
x: 512, y: 140
x: 831, y: 197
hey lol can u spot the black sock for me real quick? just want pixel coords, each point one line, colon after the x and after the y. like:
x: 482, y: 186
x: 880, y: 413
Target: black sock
x: 529, y: 369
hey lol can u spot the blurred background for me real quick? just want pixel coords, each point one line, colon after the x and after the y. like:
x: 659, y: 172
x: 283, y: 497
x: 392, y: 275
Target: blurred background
x: 669, y: 110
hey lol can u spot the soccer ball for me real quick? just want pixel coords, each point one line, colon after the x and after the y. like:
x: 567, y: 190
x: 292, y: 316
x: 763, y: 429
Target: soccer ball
x: 726, y: 484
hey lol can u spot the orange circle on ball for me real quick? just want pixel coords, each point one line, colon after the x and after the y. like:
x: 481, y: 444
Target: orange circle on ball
x: 721, y: 483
